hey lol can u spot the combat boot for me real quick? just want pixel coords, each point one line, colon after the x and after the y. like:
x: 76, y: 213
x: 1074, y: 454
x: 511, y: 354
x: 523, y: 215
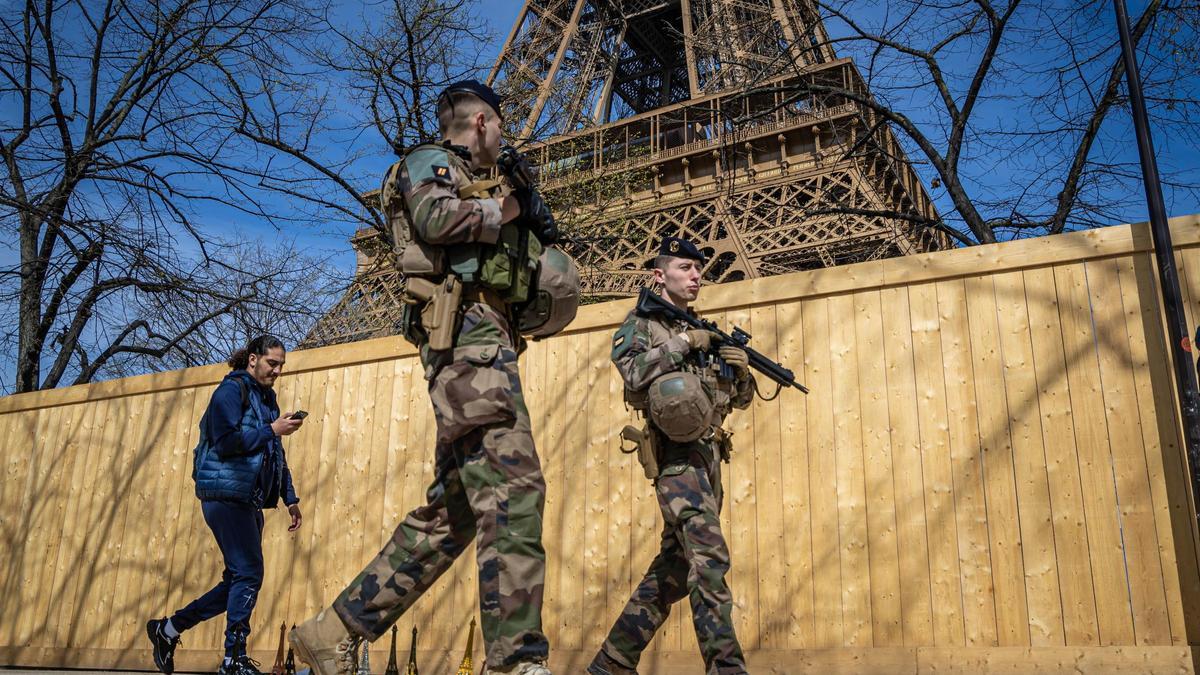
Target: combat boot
x: 324, y: 643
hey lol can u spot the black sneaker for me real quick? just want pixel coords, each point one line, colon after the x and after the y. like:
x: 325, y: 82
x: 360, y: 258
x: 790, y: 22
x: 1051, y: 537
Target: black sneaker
x: 240, y: 665
x: 164, y: 647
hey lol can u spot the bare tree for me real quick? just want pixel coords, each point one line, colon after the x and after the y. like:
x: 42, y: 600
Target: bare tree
x: 380, y: 79
x: 123, y: 177
x: 1009, y: 107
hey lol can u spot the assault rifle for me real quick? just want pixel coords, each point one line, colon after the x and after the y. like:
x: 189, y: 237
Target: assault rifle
x: 649, y: 304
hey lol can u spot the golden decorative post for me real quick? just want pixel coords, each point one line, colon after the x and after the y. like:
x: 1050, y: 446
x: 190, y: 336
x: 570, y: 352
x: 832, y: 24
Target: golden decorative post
x: 465, y: 668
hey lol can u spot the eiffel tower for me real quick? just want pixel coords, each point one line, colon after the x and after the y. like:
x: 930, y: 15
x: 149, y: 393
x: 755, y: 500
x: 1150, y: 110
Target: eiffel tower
x: 694, y: 118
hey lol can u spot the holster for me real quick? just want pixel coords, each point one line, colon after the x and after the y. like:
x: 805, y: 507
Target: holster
x: 724, y: 442
x: 440, y: 313
x: 646, y: 446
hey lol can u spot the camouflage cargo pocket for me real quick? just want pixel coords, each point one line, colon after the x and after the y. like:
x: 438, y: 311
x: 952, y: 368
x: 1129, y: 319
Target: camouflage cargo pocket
x: 474, y: 389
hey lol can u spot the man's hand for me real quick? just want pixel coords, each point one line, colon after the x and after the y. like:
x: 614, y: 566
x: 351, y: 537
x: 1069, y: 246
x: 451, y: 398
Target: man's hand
x: 737, y: 359
x: 699, y: 339
x: 294, y: 510
x: 285, y: 425
x: 510, y: 209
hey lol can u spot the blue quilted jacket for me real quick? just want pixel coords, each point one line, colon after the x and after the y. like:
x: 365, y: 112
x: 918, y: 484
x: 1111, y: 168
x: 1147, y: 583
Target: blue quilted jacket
x: 239, y: 459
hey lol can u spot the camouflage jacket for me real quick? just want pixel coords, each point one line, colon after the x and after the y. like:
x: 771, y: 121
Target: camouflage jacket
x: 645, y: 347
x: 429, y: 179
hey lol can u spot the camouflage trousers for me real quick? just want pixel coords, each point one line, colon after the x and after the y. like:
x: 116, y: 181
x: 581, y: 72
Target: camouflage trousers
x: 692, y: 561
x: 488, y: 485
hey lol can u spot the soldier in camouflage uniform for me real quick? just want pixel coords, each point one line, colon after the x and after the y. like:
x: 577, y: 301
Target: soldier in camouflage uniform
x: 693, y: 558
x: 488, y: 485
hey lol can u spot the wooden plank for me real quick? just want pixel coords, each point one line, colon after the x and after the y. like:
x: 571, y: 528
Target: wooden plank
x: 1004, y: 534
x: 139, y: 576
x: 570, y: 453
x: 70, y: 556
x: 775, y: 589
x: 851, y: 488
x: 625, y: 480
x: 125, y: 418
x: 1147, y: 593
x: 599, y: 451
x: 826, y: 544
x: 176, y: 458
x: 741, y: 500
x: 1160, y: 435
x: 884, y: 554
x: 907, y: 476
x: 23, y: 562
x: 1062, y: 464
x: 328, y: 576
x: 556, y: 387
x: 47, y: 520
x: 293, y: 555
x: 1095, y: 459
x: 399, y: 449
x: 1029, y: 460
x: 946, y: 594
x: 979, y: 607
x: 377, y: 525
x: 797, y: 549
x: 19, y: 434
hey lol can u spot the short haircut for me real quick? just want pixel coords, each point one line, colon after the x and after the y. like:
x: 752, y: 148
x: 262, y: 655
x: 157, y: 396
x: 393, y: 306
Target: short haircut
x: 457, y: 109
x: 661, y: 262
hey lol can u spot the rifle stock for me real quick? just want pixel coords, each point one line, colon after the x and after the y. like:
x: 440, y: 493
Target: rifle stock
x: 649, y: 303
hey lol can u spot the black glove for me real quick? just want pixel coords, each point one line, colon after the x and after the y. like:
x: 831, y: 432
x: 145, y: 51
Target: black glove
x: 536, y: 216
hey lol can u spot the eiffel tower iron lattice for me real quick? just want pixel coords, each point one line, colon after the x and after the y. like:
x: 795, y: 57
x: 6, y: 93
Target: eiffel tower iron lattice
x: 693, y: 118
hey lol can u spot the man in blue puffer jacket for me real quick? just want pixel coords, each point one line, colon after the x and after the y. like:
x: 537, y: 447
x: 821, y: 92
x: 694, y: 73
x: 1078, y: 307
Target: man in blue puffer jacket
x: 240, y: 468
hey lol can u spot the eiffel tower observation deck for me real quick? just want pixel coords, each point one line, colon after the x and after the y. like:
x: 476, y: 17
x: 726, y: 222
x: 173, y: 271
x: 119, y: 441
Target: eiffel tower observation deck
x: 727, y: 122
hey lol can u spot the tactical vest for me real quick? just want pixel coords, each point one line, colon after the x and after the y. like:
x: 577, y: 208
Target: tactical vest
x: 720, y: 391
x: 508, y: 267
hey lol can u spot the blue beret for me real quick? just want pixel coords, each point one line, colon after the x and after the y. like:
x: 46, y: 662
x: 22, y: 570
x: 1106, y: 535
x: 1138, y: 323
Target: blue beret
x: 680, y: 248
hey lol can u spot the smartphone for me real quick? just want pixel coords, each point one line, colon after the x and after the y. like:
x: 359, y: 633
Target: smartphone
x: 299, y: 415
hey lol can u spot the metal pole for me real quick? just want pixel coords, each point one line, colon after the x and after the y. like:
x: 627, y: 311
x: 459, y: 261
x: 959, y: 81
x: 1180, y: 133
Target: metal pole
x: 1177, y: 331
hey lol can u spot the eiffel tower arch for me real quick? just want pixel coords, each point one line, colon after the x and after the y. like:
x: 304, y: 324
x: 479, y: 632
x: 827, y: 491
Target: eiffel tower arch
x: 647, y: 118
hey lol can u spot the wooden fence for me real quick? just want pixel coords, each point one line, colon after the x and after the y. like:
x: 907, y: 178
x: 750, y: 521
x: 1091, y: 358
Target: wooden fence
x: 987, y: 474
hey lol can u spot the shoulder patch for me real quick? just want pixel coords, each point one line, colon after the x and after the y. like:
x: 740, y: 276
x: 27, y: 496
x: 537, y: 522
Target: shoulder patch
x: 428, y: 163
x: 623, y: 339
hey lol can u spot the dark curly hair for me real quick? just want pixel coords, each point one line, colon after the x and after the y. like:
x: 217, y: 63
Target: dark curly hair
x: 240, y: 360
